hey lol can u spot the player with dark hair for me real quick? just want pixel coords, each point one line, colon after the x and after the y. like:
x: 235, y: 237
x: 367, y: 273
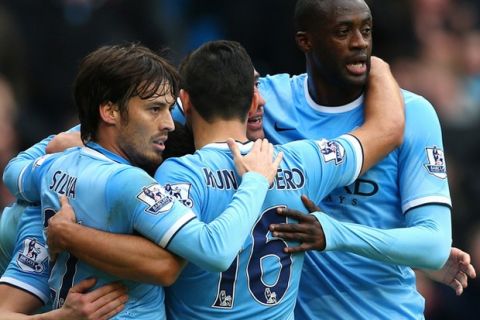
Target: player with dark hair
x: 263, y: 280
x: 394, y: 217
x: 24, y: 281
x: 124, y: 94
x: 278, y: 299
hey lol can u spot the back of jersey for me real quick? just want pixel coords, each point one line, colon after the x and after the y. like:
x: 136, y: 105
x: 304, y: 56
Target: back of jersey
x: 262, y: 282
x: 83, y: 176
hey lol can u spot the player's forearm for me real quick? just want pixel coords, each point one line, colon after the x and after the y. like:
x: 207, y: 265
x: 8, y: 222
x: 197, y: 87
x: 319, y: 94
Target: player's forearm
x: 7, y: 315
x: 26, y: 308
x: 125, y: 256
x: 384, y: 123
x: 16, y: 165
x: 65, y: 140
x: 423, y: 244
x: 58, y: 314
x: 214, y: 246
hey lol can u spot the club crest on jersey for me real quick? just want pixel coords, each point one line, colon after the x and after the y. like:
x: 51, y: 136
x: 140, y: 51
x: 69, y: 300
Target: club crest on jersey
x: 33, y: 256
x: 331, y: 151
x: 181, y: 191
x: 156, y: 198
x: 436, y: 162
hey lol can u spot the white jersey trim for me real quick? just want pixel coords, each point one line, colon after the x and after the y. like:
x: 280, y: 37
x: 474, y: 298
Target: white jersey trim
x: 26, y: 287
x: 357, y: 147
x: 331, y: 109
x: 244, y: 148
x: 96, y: 154
x: 175, y: 227
x: 20, y: 184
x: 426, y: 200
x: 180, y: 105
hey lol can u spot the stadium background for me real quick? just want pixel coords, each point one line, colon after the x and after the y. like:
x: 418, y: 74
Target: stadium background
x: 433, y: 47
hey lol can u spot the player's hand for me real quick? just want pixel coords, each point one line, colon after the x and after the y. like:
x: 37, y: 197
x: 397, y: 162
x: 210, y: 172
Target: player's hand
x: 55, y: 231
x: 64, y: 140
x: 308, y: 231
x: 99, y: 304
x: 259, y: 159
x: 455, y: 272
x: 309, y: 205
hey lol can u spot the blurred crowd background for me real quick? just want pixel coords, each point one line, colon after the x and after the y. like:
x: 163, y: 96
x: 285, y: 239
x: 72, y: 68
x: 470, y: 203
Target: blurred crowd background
x: 433, y: 47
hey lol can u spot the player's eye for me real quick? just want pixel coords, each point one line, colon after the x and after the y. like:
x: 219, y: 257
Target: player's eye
x: 155, y: 109
x: 342, y: 31
x: 366, y: 31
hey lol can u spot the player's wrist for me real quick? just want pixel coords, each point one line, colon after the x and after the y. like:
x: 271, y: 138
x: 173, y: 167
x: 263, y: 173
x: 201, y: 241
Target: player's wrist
x: 68, y: 231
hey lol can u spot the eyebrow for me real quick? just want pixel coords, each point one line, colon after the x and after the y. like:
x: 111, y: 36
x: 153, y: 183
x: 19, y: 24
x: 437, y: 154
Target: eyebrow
x: 348, y: 21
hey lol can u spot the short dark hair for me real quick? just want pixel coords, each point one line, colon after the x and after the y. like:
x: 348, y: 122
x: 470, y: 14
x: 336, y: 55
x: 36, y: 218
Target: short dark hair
x: 308, y: 13
x: 116, y: 74
x: 219, y: 79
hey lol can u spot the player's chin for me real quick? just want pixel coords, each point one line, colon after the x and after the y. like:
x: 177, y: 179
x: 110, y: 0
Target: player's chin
x: 357, y: 80
x: 154, y: 158
x: 253, y: 135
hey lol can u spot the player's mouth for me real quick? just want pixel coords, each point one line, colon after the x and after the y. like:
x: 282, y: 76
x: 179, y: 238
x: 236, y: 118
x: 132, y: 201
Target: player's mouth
x: 255, y: 122
x: 159, y: 143
x: 357, y: 66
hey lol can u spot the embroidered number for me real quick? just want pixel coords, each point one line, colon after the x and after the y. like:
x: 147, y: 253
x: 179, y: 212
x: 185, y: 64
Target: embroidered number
x: 70, y: 267
x: 263, y: 246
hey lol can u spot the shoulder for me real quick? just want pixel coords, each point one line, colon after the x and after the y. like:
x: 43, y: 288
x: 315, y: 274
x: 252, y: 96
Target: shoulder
x: 421, y: 119
x: 125, y: 172
x: 281, y: 80
x: 417, y: 104
x: 186, y: 162
x: 179, y: 167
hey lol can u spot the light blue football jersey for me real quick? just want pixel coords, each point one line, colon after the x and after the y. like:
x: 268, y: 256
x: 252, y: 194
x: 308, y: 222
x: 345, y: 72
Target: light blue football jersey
x: 262, y: 282
x: 11, y: 214
x: 107, y: 193
x: 9, y: 219
x: 342, y: 285
x: 28, y: 269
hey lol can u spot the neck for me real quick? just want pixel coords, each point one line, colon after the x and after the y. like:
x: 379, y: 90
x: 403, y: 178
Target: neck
x: 217, y: 131
x: 107, y: 137
x: 328, y: 92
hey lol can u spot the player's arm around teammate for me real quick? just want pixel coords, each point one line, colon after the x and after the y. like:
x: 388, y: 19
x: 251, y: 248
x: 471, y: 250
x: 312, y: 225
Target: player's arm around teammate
x: 424, y: 242
x: 119, y: 254
x: 454, y: 273
x: 19, y: 296
x: 99, y: 304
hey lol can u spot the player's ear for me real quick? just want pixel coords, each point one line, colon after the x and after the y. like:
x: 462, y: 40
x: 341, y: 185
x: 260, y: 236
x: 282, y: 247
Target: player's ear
x: 303, y: 41
x: 186, y: 103
x: 109, y: 112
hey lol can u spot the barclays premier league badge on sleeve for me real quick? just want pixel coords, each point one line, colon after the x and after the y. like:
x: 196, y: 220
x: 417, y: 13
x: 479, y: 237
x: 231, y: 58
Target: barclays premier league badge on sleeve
x: 156, y: 199
x: 331, y: 151
x: 436, y: 162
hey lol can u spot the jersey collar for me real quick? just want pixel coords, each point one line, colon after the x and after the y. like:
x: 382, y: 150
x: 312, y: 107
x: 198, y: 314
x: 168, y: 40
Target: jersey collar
x: 244, y: 147
x: 329, y: 109
x: 99, y: 151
